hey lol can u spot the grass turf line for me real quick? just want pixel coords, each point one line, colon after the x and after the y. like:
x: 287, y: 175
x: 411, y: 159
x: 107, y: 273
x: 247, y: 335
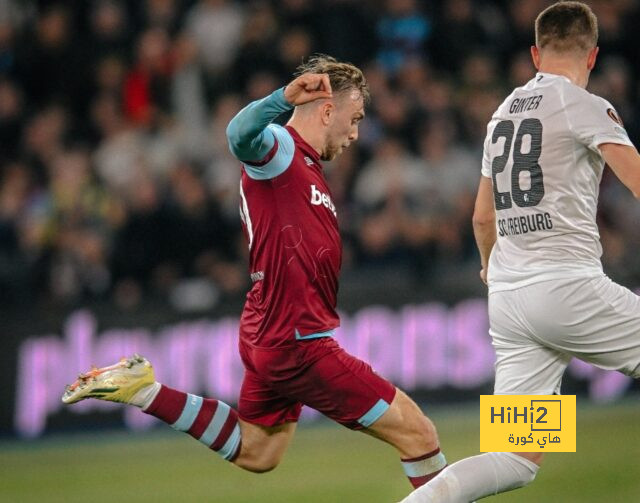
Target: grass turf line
x: 325, y: 463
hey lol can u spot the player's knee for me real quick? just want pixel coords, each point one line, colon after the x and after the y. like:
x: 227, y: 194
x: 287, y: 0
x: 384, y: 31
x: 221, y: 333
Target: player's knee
x: 523, y: 467
x: 263, y: 468
x: 526, y: 477
x: 257, y: 460
x: 257, y: 465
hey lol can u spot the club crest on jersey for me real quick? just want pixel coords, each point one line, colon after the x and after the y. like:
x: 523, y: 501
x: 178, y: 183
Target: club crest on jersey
x: 321, y: 199
x: 614, y: 116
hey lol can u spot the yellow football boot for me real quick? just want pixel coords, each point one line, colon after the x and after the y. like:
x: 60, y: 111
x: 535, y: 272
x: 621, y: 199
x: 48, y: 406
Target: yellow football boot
x: 116, y: 383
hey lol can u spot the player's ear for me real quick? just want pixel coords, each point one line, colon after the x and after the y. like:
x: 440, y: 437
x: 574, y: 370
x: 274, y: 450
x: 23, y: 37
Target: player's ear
x: 535, y: 56
x: 327, y: 111
x: 591, y: 59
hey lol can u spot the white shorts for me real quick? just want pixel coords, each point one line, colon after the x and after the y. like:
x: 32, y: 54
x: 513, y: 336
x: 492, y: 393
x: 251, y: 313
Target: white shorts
x: 537, y: 329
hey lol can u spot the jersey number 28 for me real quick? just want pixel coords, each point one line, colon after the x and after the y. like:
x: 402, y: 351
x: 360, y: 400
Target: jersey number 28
x: 522, y: 162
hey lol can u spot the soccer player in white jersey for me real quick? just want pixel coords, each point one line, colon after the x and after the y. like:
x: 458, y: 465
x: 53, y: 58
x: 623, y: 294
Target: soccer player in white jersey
x: 535, y: 226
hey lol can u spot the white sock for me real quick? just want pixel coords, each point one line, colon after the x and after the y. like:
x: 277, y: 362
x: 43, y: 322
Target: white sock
x: 476, y: 477
x: 145, y: 396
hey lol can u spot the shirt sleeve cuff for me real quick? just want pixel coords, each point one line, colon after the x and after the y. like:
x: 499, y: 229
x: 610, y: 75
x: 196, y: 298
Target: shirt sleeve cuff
x: 280, y: 101
x: 603, y: 138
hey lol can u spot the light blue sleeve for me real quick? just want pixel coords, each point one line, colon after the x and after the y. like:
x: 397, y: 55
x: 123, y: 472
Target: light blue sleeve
x: 280, y: 161
x: 247, y: 134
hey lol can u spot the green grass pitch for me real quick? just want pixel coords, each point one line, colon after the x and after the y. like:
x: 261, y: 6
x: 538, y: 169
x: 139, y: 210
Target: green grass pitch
x: 325, y: 463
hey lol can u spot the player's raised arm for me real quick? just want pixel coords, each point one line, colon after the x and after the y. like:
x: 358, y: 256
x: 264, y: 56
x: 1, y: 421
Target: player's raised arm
x: 249, y: 138
x: 624, y: 160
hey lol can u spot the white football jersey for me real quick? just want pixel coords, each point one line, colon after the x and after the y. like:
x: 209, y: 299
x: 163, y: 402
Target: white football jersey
x: 542, y: 154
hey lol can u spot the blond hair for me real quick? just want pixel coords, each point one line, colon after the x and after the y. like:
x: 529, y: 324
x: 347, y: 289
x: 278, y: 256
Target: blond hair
x: 566, y: 27
x: 342, y: 76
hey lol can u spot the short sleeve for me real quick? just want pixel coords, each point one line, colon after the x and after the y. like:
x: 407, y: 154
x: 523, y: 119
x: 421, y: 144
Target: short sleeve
x: 594, y: 121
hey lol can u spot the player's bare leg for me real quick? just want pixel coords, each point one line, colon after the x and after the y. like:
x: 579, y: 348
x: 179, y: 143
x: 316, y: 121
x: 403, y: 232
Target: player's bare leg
x: 405, y: 427
x: 214, y: 423
x: 263, y: 447
x: 413, y: 434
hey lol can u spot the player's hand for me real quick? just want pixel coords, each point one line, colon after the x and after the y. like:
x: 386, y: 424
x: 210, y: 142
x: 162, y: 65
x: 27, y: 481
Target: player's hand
x: 483, y: 275
x: 308, y: 87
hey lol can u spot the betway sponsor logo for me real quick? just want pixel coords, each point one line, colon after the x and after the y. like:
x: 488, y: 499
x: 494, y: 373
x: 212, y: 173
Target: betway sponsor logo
x: 320, y: 198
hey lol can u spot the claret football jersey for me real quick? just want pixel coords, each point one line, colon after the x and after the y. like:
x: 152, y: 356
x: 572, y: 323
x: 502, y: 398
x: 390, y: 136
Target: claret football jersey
x: 541, y: 152
x: 295, y: 250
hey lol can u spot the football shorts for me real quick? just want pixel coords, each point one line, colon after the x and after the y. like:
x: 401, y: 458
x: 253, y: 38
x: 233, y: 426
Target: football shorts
x: 537, y: 329
x: 317, y: 373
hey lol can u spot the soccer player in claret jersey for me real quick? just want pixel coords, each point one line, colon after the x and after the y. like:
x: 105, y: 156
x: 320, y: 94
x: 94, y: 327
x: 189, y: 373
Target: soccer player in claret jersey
x: 286, y: 328
x: 535, y: 225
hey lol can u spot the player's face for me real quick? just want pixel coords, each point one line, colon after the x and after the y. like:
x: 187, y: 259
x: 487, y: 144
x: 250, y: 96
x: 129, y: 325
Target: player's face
x: 343, y: 130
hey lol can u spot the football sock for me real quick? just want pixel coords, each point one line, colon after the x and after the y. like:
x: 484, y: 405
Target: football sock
x: 212, y: 422
x: 422, y: 469
x: 476, y: 477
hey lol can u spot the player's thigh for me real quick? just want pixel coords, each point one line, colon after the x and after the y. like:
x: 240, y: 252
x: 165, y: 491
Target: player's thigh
x: 342, y: 387
x: 523, y: 364
x: 593, y: 319
x: 259, y: 403
x: 267, y: 423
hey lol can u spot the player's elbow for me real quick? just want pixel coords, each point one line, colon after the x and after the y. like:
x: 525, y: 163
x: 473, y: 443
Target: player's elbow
x: 234, y: 138
x: 240, y: 138
x: 483, y: 219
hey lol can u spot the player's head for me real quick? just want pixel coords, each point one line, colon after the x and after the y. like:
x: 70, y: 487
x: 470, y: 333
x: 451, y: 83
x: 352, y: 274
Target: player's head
x: 567, y: 30
x: 339, y: 116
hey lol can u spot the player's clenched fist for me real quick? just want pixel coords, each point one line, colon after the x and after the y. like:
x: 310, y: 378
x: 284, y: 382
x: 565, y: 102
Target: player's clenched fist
x: 308, y: 87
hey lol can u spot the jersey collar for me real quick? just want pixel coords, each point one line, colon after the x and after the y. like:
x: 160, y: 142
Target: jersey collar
x: 541, y: 75
x: 304, y: 146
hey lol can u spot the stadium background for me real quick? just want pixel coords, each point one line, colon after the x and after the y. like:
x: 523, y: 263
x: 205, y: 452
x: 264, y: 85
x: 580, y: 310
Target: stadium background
x: 119, y: 231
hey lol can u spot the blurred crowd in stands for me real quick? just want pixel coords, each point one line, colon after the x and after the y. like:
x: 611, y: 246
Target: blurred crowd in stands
x: 116, y: 182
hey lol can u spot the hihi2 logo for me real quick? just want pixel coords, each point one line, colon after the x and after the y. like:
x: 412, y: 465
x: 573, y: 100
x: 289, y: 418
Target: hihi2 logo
x: 527, y: 423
